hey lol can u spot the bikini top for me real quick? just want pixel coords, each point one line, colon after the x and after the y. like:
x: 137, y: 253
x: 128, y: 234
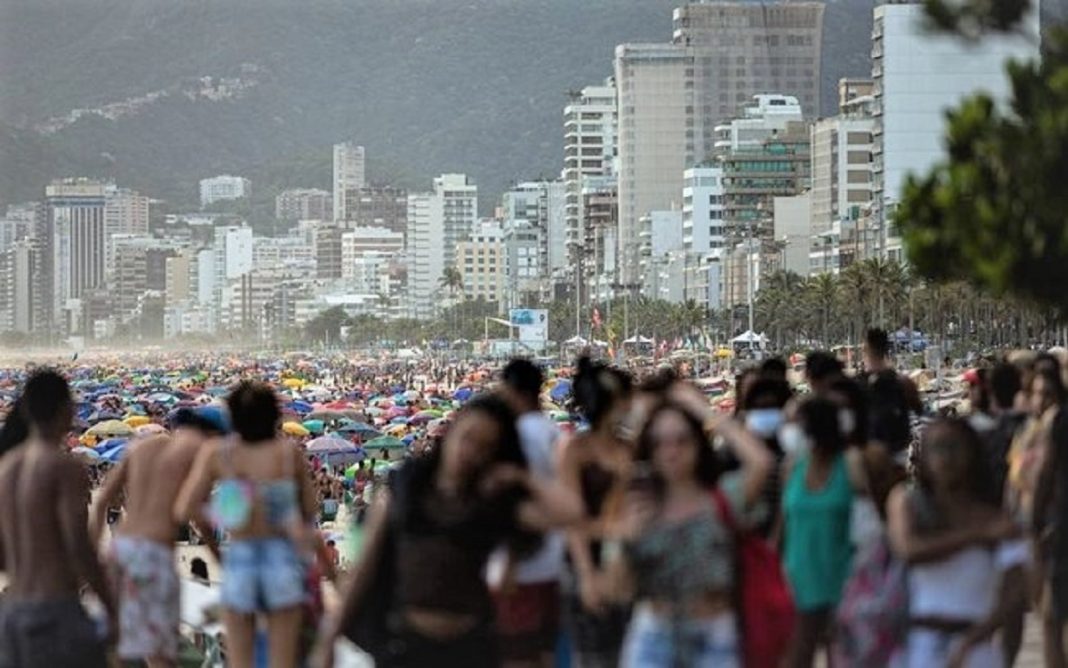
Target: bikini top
x: 234, y: 497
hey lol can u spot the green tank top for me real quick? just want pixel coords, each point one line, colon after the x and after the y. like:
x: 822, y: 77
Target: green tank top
x: 818, y: 551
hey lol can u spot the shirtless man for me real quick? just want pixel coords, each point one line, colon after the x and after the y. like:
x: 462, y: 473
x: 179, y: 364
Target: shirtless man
x: 141, y: 554
x: 44, y: 545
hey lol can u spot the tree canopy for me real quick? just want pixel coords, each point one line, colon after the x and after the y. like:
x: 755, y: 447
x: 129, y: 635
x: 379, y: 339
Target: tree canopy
x: 994, y: 213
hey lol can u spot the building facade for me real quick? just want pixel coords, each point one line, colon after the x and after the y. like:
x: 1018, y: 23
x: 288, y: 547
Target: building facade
x: 224, y: 187
x: 482, y: 263
x: 918, y: 74
x: 77, y: 242
x: 378, y: 206
x: 703, y: 201
x: 742, y: 49
x: 349, y: 174
x: 437, y: 222
x: 656, y: 137
x: 590, y: 137
x: 304, y: 204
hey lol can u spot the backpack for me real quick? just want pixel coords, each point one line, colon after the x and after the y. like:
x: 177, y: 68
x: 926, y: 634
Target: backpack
x: 872, y: 620
x: 766, y: 612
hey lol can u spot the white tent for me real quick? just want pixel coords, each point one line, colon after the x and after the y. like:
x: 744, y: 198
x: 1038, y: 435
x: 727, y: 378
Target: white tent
x: 637, y: 339
x: 751, y: 337
x: 576, y: 341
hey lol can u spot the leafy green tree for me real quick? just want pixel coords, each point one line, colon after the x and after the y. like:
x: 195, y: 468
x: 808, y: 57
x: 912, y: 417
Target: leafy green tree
x: 326, y: 327
x: 993, y: 213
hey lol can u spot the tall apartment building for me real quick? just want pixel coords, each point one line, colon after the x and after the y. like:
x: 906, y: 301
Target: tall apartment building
x: 360, y: 241
x: 752, y: 179
x: 377, y: 206
x: 349, y: 174
x: 303, y: 204
x: 22, y: 303
x: 590, y: 136
x: 76, y: 241
x: 437, y: 221
x: 703, y: 195
x: 656, y: 136
x: 224, y: 187
x: 742, y: 49
x: 327, y: 245
x: 918, y: 74
x: 481, y: 261
x: 842, y: 164
x: 543, y: 204
x: 600, y: 206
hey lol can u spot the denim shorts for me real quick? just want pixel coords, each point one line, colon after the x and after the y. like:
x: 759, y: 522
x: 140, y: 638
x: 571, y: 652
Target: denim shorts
x: 262, y: 575
x: 655, y: 642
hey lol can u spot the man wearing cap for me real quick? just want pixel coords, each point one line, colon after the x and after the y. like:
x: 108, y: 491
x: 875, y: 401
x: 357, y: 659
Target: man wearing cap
x: 141, y: 554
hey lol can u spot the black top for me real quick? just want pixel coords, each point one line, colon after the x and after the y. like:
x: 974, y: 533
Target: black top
x: 443, y: 544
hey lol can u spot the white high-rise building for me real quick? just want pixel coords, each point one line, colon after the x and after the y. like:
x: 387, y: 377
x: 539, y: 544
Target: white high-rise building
x: 656, y: 137
x: 224, y: 187
x: 590, y: 128
x: 349, y: 174
x: 702, y: 210
x: 437, y: 221
x: 78, y: 244
x: 918, y: 75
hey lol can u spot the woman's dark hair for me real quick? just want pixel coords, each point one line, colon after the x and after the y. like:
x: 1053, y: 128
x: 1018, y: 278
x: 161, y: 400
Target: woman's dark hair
x: 597, y: 388
x: 854, y: 398
x: 774, y: 367
x: 767, y: 392
x: 187, y: 417
x: 819, y: 418
x: 1004, y: 384
x: 660, y: 381
x: 15, y: 430
x: 958, y: 434
x: 821, y: 365
x: 418, y: 476
x: 1053, y: 380
x: 708, y: 464
x: 739, y: 388
x: 254, y: 411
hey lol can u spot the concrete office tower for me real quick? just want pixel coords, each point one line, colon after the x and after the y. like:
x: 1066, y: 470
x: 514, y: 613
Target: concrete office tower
x: 77, y: 245
x: 742, y: 49
x: 303, y: 204
x: 842, y: 167
x: 437, y: 221
x: 222, y: 188
x: 348, y: 174
x: 590, y: 130
x: 656, y: 137
x: 919, y: 74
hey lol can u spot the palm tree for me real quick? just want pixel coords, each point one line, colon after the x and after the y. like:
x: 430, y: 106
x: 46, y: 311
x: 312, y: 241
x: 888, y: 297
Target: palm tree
x: 822, y: 292
x: 453, y: 281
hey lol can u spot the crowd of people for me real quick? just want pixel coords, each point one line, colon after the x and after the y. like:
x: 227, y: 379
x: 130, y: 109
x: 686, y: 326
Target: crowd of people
x: 826, y: 518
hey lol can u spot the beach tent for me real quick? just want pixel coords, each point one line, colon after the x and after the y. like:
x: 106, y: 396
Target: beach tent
x: 750, y: 337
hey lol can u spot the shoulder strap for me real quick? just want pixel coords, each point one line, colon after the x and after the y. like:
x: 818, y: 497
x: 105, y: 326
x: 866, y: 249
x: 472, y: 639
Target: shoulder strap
x: 723, y: 507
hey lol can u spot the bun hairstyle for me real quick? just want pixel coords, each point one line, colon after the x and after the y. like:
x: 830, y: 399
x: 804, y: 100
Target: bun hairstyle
x: 597, y: 388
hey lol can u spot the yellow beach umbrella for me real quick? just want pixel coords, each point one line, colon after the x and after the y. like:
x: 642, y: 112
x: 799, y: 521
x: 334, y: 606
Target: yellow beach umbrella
x: 295, y: 429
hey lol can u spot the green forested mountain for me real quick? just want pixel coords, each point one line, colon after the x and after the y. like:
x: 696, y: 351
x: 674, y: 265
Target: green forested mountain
x: 263, y: 87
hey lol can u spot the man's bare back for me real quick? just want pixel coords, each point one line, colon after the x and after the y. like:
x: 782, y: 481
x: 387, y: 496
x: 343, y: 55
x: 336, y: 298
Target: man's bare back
x: 151, y: 475
x: 44, y: 496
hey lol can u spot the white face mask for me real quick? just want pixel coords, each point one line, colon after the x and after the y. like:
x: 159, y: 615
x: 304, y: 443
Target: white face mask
x: 847, y: 421
x: 793, y: 439
x: 763, y: 422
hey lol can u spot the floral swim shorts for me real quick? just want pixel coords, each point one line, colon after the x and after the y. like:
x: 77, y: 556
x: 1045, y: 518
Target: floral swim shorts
x: 149, y: 605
